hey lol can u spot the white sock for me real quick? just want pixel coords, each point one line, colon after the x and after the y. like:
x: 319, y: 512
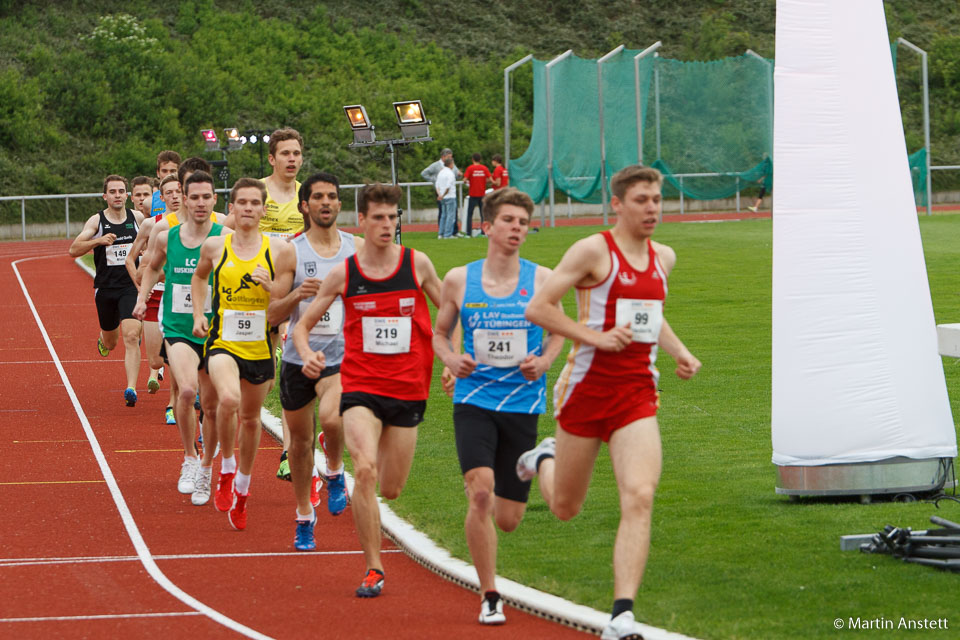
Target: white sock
x: 309, y: 516
x: 242, y: 483
x: 189, y: 458
x: 316, y: 472
x: 228, y: 465
x: 334, y: 472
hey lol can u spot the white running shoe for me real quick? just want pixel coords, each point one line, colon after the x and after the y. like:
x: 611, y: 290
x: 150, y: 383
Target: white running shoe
x: 201, y: 486
x: 623, y: 627
x: 492, y: 613
x: 527, y: 462
x: 188, y: 471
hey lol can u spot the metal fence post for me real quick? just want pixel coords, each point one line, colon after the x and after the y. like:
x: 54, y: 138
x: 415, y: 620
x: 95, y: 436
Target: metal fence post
x: 23, y: 219
x: 66, y: 213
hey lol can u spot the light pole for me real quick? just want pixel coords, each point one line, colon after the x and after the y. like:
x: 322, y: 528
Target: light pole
x: 414, y: 127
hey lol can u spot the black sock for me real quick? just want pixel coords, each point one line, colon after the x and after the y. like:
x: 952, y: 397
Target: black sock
x: 283, y: 456
x: 492, y: 596
x: 621, y: 605
x: 541, y: 458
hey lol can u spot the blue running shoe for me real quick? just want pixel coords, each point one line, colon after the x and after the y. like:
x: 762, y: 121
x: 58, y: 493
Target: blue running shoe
x: 196, y: 402
x: 130, y: 396
x: 336, y: 494
x: 303, y: 540
x: 168, y: 416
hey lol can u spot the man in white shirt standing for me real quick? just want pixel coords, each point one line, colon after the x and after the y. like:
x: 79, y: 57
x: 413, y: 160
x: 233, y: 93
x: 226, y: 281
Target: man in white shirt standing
x: 447, y: 196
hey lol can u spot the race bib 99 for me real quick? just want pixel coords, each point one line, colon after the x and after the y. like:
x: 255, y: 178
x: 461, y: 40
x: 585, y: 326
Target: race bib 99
x: 645, y: 318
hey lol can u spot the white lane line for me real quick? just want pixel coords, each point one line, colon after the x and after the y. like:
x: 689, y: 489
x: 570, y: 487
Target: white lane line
x: 143, y: 552
x: 108, y: 616
x: 29, y: 562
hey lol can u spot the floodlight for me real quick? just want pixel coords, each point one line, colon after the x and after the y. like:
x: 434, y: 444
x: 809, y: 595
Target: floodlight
x: 413, y: 124
x: 243, y: 139
x: 266, y: 138
x: 210, y: 137
x: 253, y: 139
x: 360, y: 124
x: 233, y: 138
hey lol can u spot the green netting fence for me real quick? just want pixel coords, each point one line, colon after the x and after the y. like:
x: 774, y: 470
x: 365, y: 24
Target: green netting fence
x: 708, y: 126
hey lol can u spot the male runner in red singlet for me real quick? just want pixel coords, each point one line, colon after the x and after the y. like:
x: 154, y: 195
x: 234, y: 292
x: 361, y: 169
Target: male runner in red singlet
x: 607, y: 392
x: 387, y: 364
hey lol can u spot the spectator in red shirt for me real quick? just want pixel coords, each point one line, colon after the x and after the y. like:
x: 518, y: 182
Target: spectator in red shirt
x: 501, y: 178
x: 478, y: 177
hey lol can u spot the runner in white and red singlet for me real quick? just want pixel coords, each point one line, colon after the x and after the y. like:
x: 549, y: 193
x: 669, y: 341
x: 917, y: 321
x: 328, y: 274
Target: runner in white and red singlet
x: 608, y: 390
x: 387, y: 363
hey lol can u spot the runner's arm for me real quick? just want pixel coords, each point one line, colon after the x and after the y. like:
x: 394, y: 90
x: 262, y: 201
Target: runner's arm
x: 85, y: 242
x: 429, y: 280
x: 210, y: 248
x: 445, y: 331
x: 139, y: 244
x: 576, y: 266
x: 283, y: 298
x: 535, y: 366
x: 687, y: 363
x: 151, y: 275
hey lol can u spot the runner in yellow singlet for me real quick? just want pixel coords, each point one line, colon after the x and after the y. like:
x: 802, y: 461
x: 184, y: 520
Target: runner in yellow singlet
x: 282, y: 219
x: 238, y: 352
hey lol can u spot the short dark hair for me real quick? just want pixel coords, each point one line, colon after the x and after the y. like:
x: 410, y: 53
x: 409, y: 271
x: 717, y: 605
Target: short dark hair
x: 114, y: 178
x: 497, y: 158
x: 622, y: 180
x: 281, y: 135
x: 167, y: 156
x: 477, y: 157
x: 321, y: 176
x: 246, y: 183
x: 167, y: 179
x: 198, y: 177
x: 508, y: 195
x: 377, y: 192
x: 139, y: 180
x: 190, y: 165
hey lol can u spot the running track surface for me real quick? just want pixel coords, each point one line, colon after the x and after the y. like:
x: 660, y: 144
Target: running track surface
x: 68, y: 565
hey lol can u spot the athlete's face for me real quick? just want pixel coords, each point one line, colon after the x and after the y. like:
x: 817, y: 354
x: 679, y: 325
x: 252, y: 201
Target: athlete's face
x: 166, y: 169
x: 323, y: 206
x: 115, y: 195
x: 140, y: 196
x: 248, y: 207
x: 170, y: 194
x: 200, y: 200
x: 287, y: 160
x: 509, y: 228
x: 379, y: 223
x: 639, y: 208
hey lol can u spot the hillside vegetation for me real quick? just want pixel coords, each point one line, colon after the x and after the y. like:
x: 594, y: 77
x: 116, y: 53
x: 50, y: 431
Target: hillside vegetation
x: 90, y: 88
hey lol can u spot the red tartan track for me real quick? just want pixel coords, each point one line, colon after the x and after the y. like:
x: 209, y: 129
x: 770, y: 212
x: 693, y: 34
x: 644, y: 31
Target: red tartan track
x: 68, y: 565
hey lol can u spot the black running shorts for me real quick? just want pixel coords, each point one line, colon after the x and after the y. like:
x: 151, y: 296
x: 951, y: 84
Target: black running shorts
x: 296, y: 389
x: 495, y: 439
x: 253, y: 371
x: 197, y: 348
x: 114, y: 305
x: 390, y: 411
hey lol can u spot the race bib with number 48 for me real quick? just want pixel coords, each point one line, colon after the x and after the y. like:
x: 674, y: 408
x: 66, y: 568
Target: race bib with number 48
x: 645, y: 318
x: 330, y: 323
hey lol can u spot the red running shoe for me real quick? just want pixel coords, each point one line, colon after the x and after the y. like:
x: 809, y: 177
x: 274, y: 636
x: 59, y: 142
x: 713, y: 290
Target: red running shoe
x: 238, y: 514
x: 223, y: 498
x: 315, y: 484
